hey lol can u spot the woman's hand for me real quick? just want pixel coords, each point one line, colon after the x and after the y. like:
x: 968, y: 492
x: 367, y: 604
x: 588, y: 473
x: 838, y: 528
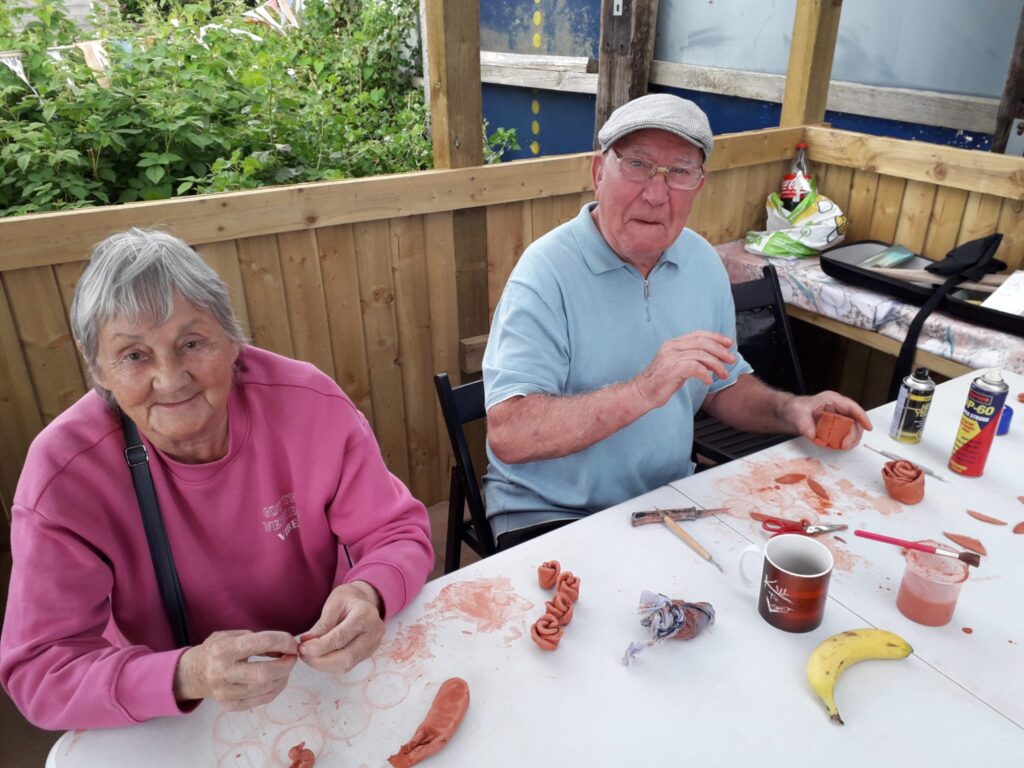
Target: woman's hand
x: 220, y: 668
x: 349, y: 629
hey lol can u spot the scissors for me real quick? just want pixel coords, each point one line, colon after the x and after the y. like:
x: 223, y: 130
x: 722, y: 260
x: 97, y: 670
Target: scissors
x: 782, y: 525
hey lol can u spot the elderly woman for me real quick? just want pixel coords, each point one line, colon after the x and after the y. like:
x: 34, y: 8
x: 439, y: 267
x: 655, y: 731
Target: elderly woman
x: 280, y: 514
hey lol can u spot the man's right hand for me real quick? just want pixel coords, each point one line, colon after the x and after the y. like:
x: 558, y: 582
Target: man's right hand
x: 700, y: 355
x: 220, y: 668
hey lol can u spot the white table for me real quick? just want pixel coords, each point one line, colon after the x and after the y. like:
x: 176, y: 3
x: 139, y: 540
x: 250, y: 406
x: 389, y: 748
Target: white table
x: 735, y: 695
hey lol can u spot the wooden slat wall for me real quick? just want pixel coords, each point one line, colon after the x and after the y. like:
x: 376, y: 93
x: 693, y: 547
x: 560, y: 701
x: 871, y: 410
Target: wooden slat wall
x: 359, y: 276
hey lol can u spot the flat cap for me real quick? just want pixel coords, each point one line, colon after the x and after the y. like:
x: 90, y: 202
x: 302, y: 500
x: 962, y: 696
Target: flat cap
x: 662, y: 111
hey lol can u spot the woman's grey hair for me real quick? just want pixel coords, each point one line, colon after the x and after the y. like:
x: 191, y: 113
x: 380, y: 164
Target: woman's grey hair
x: 134, y: 275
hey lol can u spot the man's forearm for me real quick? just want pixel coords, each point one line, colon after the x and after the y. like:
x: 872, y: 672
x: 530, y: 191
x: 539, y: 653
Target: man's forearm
x: 538, y: 427
x: 752, y: 406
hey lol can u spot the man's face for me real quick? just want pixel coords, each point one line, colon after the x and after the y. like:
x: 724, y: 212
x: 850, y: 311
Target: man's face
x: 641, y: 219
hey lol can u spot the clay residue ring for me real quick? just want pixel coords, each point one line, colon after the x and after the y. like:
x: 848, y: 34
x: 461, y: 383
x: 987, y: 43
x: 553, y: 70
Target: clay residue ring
x: 904, y: 481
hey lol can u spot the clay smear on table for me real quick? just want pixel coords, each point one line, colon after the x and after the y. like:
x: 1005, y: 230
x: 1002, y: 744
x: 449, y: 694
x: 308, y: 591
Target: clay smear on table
x: 490, y: 604
x: 985, y: 518
x: 967, y: 542
x: 904, y: 481
x: 438, y: 727
x: 411, y: 642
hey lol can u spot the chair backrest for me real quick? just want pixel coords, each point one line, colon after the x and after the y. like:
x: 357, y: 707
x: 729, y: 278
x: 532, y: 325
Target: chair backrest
x: 764, y: 334
x: 459, y: 406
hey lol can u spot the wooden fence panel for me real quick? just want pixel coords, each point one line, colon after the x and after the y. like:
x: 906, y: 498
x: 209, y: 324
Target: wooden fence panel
x: 886, y: 213
x: 1011, y: 224
x: 264, y: 293
x: 20, y: 418
x: 944, y: 222
x: 67, y: 276
x: 863, y: 190
x: 46, y: 338
x: 340, y: 273
x: 304, y: 289
x: 509, y: 231
x: 981, y: 217
x: 380, y: 327
x: 223, y: 259
x: 915, y: 213
x: 439, y: 235
x: 412, y: 313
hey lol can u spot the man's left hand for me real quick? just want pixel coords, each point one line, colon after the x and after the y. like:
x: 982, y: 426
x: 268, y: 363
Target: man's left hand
x: 349, y: 629
x: 802, y: 413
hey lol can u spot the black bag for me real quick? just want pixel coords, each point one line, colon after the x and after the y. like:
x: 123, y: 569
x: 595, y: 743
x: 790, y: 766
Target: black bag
x: 970, y: 261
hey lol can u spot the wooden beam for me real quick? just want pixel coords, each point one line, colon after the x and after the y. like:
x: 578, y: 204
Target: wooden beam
x: 815, y: 29
x: 626, y: 50
x: 1011, y: 107
x: 919, y: 161
x: 456, y: 111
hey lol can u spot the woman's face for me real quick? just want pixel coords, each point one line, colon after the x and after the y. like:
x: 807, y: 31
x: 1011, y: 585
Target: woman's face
x: 172, y: 380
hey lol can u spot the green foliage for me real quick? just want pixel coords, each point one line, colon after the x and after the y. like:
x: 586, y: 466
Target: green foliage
x: 183, y: 115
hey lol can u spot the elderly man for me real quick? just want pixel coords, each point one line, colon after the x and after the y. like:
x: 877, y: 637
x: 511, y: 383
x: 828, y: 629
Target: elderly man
x: 613, y: 330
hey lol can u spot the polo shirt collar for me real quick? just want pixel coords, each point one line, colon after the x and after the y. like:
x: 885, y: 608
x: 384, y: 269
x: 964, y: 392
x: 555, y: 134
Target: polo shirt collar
x: 597, y: 254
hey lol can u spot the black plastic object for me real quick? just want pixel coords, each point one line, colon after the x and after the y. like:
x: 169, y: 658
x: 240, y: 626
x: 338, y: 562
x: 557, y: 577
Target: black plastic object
x: 766, y: 342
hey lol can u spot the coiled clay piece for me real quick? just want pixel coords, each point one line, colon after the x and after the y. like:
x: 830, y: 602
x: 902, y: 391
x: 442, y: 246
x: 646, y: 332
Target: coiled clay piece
x: 547, y: 574
x: 904, y: 481
x: 547, y: 632
x: 570, y: 585
x: 560, y: 606
x: 301, y: 757
x: 831, y: 428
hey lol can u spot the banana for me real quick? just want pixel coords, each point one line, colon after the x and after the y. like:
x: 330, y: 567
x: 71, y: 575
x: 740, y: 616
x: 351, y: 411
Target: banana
x: 840, y: 651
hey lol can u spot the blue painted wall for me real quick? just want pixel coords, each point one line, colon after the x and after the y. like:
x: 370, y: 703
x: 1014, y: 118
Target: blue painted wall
x: 950, y: 46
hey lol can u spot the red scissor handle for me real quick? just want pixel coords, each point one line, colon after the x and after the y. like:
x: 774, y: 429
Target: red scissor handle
x: 780, y: 524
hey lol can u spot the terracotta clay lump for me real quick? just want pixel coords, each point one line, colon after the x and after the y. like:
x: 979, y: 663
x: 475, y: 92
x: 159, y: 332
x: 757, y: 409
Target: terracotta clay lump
x: 904, y: 481
x: 436, y: 730
x: 831, y: 428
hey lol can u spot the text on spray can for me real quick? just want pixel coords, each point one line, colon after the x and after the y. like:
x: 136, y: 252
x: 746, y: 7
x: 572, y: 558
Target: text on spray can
x: 985, y: 400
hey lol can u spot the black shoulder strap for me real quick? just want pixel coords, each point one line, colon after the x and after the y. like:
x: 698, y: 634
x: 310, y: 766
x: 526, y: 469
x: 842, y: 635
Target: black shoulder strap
x: 905, y: 359
x: 156, y: 535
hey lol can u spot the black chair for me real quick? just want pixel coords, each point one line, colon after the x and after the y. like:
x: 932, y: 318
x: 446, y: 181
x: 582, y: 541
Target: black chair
x: 461, y: 405
x: 766, y: 342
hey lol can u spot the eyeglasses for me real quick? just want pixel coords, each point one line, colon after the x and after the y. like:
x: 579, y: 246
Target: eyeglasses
x: 677, y: 177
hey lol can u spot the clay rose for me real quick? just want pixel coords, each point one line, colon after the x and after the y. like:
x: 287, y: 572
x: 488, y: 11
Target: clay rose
x: 547, y: 632
x: 560, y: 606
x: 904, y: 481
x: 570, y: 585
x: 547, y: 573
x: 831, y: 428
x: 438, y: 727
x: 301, y: 757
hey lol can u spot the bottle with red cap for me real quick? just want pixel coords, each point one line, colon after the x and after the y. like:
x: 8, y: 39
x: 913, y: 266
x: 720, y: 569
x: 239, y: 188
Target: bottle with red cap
x: 796, y: 185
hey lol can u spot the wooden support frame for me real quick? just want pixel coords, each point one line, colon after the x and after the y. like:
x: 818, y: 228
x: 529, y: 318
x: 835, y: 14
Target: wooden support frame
x: 815, y: 30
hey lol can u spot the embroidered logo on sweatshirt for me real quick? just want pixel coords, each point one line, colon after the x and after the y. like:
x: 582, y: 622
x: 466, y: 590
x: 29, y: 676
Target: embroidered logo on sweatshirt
x: 281, y: 517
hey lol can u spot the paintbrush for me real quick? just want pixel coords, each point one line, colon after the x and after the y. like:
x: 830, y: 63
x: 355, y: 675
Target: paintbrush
x: 692, y: 542
x: 922, y: 467
x: 971, y: 558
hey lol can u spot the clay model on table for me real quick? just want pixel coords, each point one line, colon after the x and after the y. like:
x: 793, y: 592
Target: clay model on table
x: 436, y: 730
x: 669, y: 619
x: 570, y: 585
x: 560, y: 606
x: 904, y: 481
x: 547, y: 574
x: 547, y: 632
x: 967, y: 542
x: 985, y: 518
x: 301, y: 757
x: 831, y: 428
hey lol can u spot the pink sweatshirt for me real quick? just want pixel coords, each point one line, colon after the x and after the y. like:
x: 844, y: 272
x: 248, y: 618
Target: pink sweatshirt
x: 301, y: 503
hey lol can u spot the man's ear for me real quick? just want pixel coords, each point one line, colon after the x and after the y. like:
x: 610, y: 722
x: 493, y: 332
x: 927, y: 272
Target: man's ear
x: 597, y: 169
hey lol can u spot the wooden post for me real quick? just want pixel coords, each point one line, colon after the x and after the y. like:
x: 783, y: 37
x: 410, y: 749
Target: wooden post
x: 815, y: 28
x: 1012, y: 105
x: 456, y: 112
x: 627, y: 47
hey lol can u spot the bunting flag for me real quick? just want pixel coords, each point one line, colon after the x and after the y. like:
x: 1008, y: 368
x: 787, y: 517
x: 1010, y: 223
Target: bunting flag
x: 13, y: 62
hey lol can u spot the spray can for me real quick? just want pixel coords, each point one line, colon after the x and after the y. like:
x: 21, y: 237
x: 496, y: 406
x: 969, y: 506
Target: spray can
x: 912, y: 406
x: 985, y: 400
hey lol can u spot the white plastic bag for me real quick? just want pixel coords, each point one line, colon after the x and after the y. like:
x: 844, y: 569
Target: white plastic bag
x: 815, y: 224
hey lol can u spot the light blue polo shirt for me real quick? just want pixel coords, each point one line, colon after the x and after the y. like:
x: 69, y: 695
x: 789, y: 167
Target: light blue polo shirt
x: 574, y: 318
